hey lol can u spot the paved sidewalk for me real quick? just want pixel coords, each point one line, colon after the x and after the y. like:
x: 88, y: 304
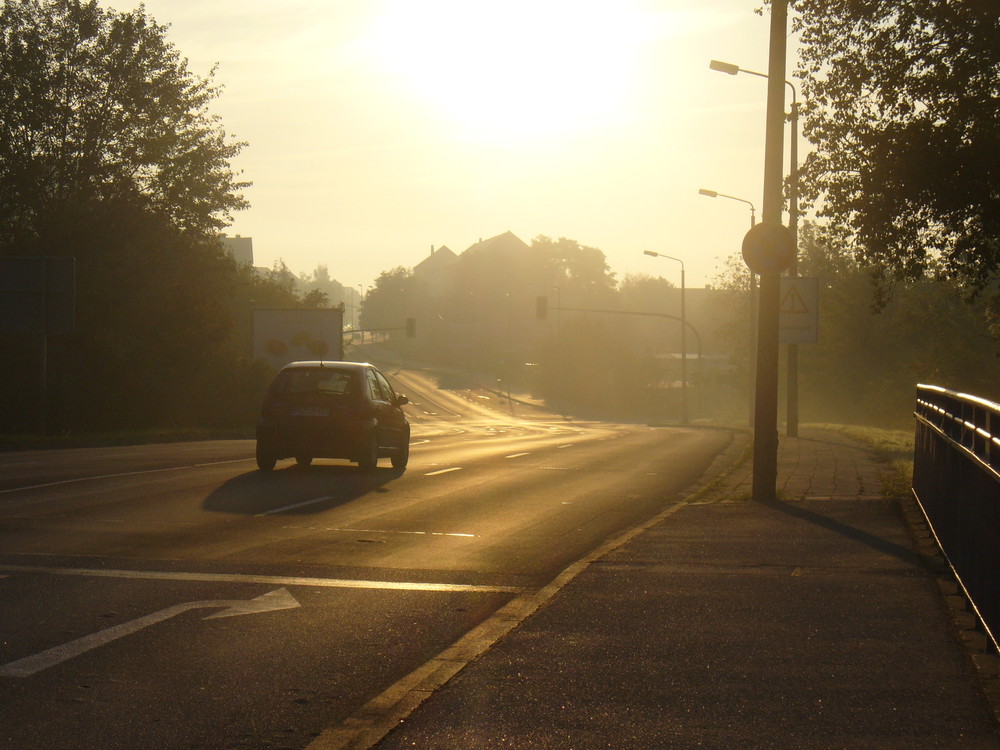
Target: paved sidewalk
x: 811, y: 622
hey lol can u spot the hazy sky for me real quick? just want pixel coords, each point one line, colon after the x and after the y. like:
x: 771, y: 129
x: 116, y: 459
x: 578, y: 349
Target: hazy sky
x: 378, y: 128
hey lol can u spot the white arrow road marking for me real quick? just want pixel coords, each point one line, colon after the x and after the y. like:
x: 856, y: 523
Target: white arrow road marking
x: 269, y: 602
x: 277, y: 599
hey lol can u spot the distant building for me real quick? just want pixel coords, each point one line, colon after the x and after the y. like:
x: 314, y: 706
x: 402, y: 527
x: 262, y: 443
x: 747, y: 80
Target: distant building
x: 436, y: 271
x: 435, y: 263
x: 506, y: 242
x: 241, y: 248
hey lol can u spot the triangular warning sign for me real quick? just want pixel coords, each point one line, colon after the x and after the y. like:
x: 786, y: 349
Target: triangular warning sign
x: 793, y: 302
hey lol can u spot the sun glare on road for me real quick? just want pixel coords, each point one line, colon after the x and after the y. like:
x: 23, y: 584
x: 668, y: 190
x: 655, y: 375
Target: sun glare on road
x: 519, y: 68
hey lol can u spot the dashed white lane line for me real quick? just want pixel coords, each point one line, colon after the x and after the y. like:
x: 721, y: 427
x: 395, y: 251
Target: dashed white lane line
x: 384, y: 531
x: 296, y: 505
x: 341, y: 583
x: 442, y: 471
x: 517, y: 455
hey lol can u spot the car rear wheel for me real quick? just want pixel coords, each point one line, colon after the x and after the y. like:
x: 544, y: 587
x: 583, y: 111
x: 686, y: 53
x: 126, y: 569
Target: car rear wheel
x: 402, y: 456
x: 265, y: 458
x: 368, y: 459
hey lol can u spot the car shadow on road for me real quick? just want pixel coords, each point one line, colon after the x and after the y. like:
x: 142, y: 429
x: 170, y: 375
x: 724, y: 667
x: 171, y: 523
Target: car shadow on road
x: 297, y: 490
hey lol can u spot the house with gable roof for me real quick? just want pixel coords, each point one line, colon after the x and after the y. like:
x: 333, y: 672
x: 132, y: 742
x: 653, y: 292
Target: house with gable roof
x: 437, y: 271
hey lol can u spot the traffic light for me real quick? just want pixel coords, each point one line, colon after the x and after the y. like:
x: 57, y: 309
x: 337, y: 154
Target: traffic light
x: 411, y: 327
x: 542, y: 308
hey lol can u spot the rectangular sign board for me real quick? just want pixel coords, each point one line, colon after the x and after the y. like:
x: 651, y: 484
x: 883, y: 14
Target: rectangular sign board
x: 798, y: 321
x: 281, y: 336
x: 37, y: 295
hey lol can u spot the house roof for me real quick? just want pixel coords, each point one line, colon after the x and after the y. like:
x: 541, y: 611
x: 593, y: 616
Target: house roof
x: 438, y: 259
x: 508, y: 240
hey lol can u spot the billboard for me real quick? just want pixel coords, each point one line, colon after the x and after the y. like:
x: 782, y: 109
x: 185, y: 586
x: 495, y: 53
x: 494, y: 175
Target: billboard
x: 37, y: 295
x: 281, y: 336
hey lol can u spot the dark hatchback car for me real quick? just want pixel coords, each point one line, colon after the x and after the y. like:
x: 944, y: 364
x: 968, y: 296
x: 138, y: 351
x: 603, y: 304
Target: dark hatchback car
x: 332, y: 410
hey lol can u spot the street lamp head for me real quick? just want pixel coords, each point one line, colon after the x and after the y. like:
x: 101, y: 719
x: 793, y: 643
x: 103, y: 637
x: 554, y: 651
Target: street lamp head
x: 724, y: 67
x: 667, y: 257
x: 709, y: 193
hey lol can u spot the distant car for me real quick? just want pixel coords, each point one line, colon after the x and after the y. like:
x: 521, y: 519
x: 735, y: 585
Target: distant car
x: 332, y: 410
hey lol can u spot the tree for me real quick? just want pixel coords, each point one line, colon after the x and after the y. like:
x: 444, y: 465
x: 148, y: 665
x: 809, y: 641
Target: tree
x: 644, y: 293
x: 96, y: 105
x: 320, y: 289
x: 396, y: 296
x: 108, y: 153
x: 315, y: 298
x: 868, y: 359
x: 580, y: 272
x: 901, y: 106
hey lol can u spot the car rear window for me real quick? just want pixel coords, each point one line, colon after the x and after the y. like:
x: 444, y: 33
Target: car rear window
x: 319, y: 381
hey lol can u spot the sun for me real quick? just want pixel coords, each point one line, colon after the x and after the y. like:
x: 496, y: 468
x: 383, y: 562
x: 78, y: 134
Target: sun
x: 522, y: 67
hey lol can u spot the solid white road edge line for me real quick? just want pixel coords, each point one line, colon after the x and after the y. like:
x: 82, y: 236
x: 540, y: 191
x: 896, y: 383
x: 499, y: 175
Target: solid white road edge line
x: 124, y: 474
x: 340, y: 583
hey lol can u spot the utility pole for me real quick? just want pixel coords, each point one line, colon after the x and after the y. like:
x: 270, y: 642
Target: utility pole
x: 765, y: 452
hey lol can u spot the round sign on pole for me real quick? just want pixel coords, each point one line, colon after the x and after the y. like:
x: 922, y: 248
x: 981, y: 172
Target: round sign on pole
x: 768, y: 248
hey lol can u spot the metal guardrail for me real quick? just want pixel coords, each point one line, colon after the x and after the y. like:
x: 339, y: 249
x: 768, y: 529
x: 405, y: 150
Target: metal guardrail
x: 956, y: 481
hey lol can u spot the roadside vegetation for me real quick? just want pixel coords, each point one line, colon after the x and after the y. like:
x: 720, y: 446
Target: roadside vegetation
x: 112, y: 155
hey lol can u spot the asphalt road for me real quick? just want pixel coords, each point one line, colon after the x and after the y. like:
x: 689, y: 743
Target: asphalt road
x: 172, y: 596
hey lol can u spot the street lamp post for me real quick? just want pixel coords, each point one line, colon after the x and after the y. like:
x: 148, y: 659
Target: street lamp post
x: 684, y: 352
x: 752, y: 317
x: 558, y: 292
x: 510, y: 353
x: 792, y: 395
x: 717, y: 194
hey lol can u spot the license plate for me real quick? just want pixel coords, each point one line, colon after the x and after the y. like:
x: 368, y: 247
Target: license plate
x: 309, y: 411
